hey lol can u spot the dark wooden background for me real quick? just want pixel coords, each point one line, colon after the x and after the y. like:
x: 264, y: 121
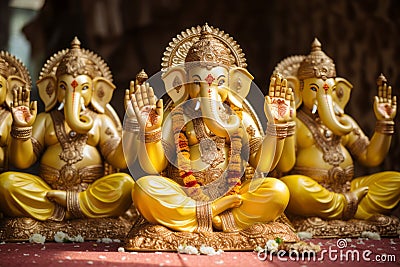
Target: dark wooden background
x: 362, y: 36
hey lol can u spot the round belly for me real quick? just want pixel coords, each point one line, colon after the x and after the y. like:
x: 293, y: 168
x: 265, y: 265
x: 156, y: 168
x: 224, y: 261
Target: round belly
x: 90, y: 156
x: 312, y: 157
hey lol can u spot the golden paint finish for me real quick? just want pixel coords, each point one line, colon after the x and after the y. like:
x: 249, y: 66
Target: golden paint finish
x: 78, y: 149
x: 318, y: 161
x: 192, y: 200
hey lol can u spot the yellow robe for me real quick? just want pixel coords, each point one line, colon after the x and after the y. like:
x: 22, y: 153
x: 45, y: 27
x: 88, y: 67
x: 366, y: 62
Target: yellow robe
x: 24, y: 195
x: 163, y: 201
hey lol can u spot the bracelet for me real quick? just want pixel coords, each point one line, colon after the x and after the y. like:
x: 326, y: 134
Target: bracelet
x: 21, y: 133
x: 131, y: 126
x: 291, y: 128
x: 151, y: 137
x: 73, y: 204
x: 278, y: 130
x: 203, y: 216
x: 385, y: 127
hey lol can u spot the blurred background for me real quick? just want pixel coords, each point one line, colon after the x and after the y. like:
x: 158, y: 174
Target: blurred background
x: 362, y: 37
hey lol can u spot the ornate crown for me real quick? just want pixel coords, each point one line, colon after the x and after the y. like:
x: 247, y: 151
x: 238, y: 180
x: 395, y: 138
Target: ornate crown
x: 76, y: 61
x: 10, y: 65
x: 206, y: 44
x: 317, y: 64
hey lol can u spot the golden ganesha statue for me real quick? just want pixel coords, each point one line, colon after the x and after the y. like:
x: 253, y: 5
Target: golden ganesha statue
x: 319, y: 157
x: 13, y: 74
x: 196, y: 149
x: 77, y: 142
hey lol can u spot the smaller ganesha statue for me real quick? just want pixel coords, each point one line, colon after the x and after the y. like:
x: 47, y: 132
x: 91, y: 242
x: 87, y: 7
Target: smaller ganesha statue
x: 318, y: 161
x: 13, y: 76
x: 76, y: 141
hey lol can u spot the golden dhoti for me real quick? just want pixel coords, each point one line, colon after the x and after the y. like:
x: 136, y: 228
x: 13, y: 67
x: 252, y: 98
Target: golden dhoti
x: 163, y: 201
x: 309, y: 198
x: 24, y: 195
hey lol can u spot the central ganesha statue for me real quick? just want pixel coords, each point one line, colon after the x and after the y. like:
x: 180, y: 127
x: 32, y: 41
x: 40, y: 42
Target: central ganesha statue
x: 205, y: 152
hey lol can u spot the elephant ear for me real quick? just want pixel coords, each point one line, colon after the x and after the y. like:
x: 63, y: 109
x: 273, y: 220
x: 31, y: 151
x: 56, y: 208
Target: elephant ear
x: 342, y: 92
x: 239, y: 83
x: 47, y: 87
x: 294, y: 83
x: 103, y: 91
x: 174, y: 81
x: 13, y: 82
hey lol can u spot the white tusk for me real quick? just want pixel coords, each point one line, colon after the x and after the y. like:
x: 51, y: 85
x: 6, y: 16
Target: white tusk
x: 83, y: 106
x: 61, y: 106
x: 197, y: 105
x: 314, y: 108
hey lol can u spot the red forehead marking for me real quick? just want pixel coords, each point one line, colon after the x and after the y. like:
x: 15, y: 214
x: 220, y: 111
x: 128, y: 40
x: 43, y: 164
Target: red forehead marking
x: 209, y: 79
x: 326, y: 87
x: 74, y: 84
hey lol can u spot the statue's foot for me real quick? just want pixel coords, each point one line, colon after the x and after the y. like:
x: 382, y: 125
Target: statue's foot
x: 224, y: 203
x: 58, y: 196
x: 352, y: 199
x: 360, y: 193
x: 217, y: 222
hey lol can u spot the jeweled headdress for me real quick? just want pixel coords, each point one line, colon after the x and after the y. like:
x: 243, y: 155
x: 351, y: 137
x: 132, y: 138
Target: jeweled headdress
x: 317, y: 64
x: 76, y: 61
x: 10, y: 65
x: 206, y: 44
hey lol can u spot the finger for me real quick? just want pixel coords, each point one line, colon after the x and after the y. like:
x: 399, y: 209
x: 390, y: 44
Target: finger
x: 135, y: 105
x: 380, y: 93
x: 159, y: 107
x: 380, y: 88
x: 126, y: 98
x: 278, y: 86
x: 376, y: 101
x: 268, y: 99
x: 145, y: 97
x: 394, y: 103
x: 152, y: 98
x: 389, y: 93
x: 27, y: 98
x: 138, y: 95
x: 15, y: 98
x: 19, y: 96
x: 132, y: 88
x: 272, y: 87
x: 284, y: 88
x: 289, y: 93
x: 33, y: 108
x: 384, y: 91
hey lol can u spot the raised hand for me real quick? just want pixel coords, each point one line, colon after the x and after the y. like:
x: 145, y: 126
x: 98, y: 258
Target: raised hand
x: 385, y: 105
x: 279, y: 104
x: 149, y: 113
x: 23, y: 112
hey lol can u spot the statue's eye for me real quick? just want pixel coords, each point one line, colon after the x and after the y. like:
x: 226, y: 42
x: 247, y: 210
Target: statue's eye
x: 313, y: 88
x: 221, y: 82
x: 1, y: 86
x: 85, y: 88
x: 62, y: 86
x: 197, y: 83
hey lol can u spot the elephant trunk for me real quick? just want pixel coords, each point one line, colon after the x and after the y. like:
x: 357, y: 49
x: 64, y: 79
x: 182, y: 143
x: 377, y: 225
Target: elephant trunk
x: 72, y: 109
x: 338, y: 125
x: 215, y: 115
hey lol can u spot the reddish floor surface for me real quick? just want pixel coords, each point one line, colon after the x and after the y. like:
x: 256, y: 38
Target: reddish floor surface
x: 354, y: 252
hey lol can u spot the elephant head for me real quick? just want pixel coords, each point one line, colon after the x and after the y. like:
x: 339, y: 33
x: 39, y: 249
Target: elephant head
x: 317, y: 89
x: 211, y: 76
x: 76, y: 83
x: 13, y: 74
